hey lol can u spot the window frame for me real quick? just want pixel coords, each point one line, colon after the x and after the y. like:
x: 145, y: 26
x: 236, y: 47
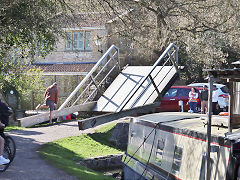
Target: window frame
x: 86, y: 39
x: 177, y: 159
x: 160, y: 151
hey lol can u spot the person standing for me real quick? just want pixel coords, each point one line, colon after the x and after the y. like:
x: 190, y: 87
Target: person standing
x: 215, y: 100
x: 193, y: 95
x: 204, y: 99
x: 51, y: 99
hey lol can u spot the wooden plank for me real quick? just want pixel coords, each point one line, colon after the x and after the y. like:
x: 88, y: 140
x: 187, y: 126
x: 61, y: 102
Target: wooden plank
x: 33, y: 120
x: 98, y: 120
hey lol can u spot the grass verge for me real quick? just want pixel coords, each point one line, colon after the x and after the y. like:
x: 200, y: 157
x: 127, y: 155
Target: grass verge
x: 11, y: 128
x: 66, y: 152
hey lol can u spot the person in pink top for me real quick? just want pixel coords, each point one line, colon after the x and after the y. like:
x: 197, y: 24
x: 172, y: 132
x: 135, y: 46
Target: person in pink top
x: 193, y: 95
x: 51, y: 98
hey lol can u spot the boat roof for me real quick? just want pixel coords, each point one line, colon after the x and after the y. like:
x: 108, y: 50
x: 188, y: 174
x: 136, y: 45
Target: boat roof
x: 190, y: 121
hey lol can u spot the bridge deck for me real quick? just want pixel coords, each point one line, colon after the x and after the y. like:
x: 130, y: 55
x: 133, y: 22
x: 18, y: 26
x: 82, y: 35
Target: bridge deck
x: 122, y: 90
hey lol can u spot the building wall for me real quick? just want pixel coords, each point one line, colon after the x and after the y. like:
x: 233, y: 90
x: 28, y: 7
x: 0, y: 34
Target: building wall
x: 67, y: 84
x: 61, y: 55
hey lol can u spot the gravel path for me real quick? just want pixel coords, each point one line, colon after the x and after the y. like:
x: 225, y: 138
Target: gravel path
x: 27, y: 164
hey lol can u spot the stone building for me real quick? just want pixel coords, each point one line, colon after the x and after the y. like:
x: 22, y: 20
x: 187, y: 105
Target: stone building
x: 84, y: 43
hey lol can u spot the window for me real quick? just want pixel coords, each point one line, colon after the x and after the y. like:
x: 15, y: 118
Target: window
x: 183, y: 92
x: 69, y: 41
x: 78, y: 41
x: 159, y: 151
x: 177, y: 158
x: 171, y: 93
x: 87, y: 40
x: 224, y: 89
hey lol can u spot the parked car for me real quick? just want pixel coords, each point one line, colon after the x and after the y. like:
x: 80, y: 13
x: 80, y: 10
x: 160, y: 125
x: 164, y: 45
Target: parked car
x: 170, y: 101
x: 222, y: 91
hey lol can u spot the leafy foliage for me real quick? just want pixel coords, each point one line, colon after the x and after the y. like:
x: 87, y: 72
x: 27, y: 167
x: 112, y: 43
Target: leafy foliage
x: 28, y: 28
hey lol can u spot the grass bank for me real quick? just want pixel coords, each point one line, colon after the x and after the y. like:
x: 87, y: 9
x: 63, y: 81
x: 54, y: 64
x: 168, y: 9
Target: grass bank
x: 65, y: 153
x: 11, y: 128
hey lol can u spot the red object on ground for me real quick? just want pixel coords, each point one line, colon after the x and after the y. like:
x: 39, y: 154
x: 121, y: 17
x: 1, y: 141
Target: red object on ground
x: 68, y: 117
x: 223, y: 113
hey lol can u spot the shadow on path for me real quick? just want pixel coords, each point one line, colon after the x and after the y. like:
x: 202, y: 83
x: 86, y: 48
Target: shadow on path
x: 27, y: 164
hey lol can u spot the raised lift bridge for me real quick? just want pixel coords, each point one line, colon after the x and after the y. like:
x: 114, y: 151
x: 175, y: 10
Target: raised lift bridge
x: 134, y: 89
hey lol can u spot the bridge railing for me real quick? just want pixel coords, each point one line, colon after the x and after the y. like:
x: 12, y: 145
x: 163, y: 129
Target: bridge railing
x: 92, y: 83
x: 168, y: 57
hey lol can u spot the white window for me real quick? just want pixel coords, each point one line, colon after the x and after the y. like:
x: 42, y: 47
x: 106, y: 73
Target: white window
x: 177, y: 159
x: 87, y: 40
x: 78, y: 41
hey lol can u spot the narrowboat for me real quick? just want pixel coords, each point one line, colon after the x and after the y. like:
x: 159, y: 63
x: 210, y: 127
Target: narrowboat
x: 173, y: 145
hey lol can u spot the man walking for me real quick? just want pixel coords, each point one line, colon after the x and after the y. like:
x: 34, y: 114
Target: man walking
x: 51, y: 99
x: 204, y: 99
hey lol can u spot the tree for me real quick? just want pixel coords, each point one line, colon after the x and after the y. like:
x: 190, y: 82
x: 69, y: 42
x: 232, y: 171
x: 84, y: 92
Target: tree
x: 204, y: 28
x: 22, y: 82
x: 30, y: 27
x: 27, y: 28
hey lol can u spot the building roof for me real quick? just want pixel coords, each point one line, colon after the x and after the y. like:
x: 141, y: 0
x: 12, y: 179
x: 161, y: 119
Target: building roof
x: 74, y: 68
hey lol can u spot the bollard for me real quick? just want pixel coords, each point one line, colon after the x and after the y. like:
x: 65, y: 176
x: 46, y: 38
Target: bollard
x: 180, y: 104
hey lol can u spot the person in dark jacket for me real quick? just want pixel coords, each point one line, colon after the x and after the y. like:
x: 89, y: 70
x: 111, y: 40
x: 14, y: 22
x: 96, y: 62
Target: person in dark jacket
x: 51, y: 98
x: 204, y: 99
x: 4, y: 119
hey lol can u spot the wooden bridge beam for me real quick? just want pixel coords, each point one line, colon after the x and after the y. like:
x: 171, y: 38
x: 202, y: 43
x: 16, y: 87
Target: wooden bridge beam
x: 33, y: 120
x: 98, y: 120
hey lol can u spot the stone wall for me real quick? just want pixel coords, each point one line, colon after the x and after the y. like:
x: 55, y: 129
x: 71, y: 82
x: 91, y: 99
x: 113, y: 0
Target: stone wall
x: 120, y: 135
x: 120, y: 139
x: 103, y: 162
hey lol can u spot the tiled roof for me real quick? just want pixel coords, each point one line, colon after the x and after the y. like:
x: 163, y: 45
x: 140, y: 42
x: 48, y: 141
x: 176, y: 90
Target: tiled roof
x: 65, y: 67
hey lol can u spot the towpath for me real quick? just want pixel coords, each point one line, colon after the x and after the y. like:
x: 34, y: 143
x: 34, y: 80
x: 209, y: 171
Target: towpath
x: 27, y: 164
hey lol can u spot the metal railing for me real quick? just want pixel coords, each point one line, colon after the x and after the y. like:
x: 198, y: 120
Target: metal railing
x: 170, y: 55
x: 92, y: 82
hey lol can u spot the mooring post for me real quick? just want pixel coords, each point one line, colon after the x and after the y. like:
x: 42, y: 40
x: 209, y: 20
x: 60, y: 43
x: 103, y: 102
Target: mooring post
x: 210, y: 81
x: 230, y: 107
